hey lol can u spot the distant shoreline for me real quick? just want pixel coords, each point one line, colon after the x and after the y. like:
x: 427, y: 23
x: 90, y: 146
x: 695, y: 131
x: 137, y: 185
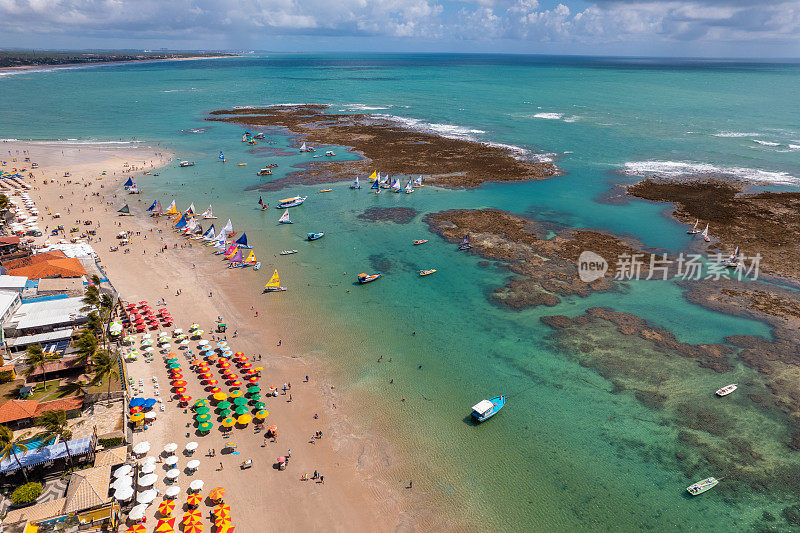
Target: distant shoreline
x: 23, y: 68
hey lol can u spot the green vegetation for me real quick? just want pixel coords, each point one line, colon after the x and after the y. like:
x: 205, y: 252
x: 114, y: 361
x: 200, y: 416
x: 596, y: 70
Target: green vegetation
x: 110, y: 443
x: 26, y: 493
x: 3, y: 202
x: 33, y: 58
x: 36, y: 358
x: 9, y: 446
x: 106, y: 365
x: 6, y: 376
x: 55, y: 427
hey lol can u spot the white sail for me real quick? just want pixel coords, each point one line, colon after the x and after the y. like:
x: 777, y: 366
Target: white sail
x: 418, y: 181
x: 355, y: 184
x: 210, y: 236
x: 396, y: 184
x: 190, y: 226
x: 284, y: 216
x: 221, y: 243
x: 409, y: 188
x: 705, y: 231
x: 207, y: 212
x: 303, y: 147
x: 190, y: 208
x: 228, y: 228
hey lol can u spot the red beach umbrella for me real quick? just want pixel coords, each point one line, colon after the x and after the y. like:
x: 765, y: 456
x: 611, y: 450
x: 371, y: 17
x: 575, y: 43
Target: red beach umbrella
x: 185, y: 398
x: 253, y: 379
x: 214, y: 389
x: 247, y: 365
x: 211, y: 382
x: 180, y: 391
x: 179, y: 383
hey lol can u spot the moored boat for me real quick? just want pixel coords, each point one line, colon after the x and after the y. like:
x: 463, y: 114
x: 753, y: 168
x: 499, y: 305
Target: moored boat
x: 186, y: 164
x: 294, y: 201
x: 694, y: 230
x: 314, y: 236
x: 485, y: 409
x: 701, y: 486
x: 427, y: 272
x: 305, y: 148
x: 325, y: 190
x: 465, y: 245
x: 208, y: 214
x: 288, y: 252
x: 420, y: 241
x: 259, y: 136
x: 727, y: 389
x: 355, y: 184
x: 733, y: 259
x: 705, y: 234
x: 264, y: 172
x: 329, y: 153
x: 366, y: 278
x: 285, y: 218
x: 274, y: 283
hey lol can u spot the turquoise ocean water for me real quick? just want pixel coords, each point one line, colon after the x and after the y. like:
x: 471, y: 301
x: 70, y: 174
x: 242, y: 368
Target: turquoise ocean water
x: 552, y: 460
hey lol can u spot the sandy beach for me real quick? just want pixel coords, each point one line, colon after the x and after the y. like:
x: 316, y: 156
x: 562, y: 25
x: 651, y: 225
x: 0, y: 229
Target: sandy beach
x: 361, y: 490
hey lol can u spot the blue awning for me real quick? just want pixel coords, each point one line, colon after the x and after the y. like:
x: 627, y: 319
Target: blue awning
x: 41, y: 455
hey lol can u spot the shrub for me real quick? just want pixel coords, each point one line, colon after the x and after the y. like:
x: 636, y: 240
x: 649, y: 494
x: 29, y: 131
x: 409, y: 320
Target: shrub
x: 26, y: 493
x: 110, y: 443
x: 6, y: 376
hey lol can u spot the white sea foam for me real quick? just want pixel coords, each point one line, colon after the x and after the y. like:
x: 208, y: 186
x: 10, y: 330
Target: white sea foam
x: 734, y: 134
x: 684, y: 168
x: 445, y: 130
x: 549, y: 116
x: 364, y: 107
x: 766, y: 143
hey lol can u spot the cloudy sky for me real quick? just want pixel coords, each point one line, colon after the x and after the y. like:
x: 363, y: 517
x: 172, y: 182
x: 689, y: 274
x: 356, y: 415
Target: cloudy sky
x: 720, y: 28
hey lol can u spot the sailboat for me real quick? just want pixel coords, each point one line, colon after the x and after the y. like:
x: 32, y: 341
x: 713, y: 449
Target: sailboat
x: 190, y: 226
x: 171, y: 210
x: 190, y: 210
x: 733, y: 259
x: 242, y: 241
x: 207, y: 235
x: 251, y: 260
x: 274, y: 283
x: 285, y: 218
x: 384, y: 182
x: 181, y: 223
x: 134, y: 189
x: 465, y: 245
x: 208, y: 214
x: 128, y: 184
x: 262, y: 204
x: 221, y: 157
x: 155, y: 209
x: 376, y: 186
x: 373, y: 176
x: 236, y: 259
x: 694, y: 230
x: 396, y: 187
x: 305, y: 148
x: 231, y: 249
x: 418, y: 182
x: 409, y: 189
x: 228, y: 229
x: 244, y: 137
x: 221, y: 243
x: 355, y: 184
x: 152, y: 207
x: 125, y: 211
x: 705, y: 234
x: 233, y: 252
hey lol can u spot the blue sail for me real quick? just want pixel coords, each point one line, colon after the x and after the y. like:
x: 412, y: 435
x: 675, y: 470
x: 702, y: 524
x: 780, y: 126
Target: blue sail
x: 153, y: 206
x: 181, y: 223
x: 128, y: 183
x: 209, y: 231
x: 221, y: 156
x: 375, y: 185
x: 242, y: 240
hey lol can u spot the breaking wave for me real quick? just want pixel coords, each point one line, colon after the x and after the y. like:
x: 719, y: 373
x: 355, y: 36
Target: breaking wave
x: 675, y: 169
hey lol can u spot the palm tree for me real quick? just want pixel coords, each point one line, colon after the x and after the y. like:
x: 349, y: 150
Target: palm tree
x: 3, y: 202
x: 101, y: 307
x: 86, y: 345
x: 9, y: 446
x: 106, y: 364
x: 55, y: 426
x: 36, y: 358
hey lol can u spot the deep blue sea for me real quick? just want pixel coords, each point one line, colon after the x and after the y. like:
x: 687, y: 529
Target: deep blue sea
x: 569, y: 452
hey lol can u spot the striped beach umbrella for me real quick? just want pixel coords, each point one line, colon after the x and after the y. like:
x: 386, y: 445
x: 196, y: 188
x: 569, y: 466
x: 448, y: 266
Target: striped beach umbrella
x: 136, y: 528
x: 217, y: 493
x: 221, y: 510
x: 166, y: 507
x: 191, y: 516
x: 194, y: 499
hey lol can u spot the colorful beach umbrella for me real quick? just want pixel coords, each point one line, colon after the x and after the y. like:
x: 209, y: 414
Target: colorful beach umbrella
x: 242, y: 409
x: 240, y: 401
x: 137, y: 417
x: 222, y: 509
x: 253, y: 388
x: 193, y: 527
x: 180, y: 390
x: 261, y: 414
x: 185, y: 398
x: 224, y: 412
x: 194, y: 499
x: 255, y: 397
x: 211, y: 382
x: 253, y: 379
x: 166, y: 507
x: 174, y: 365
x: 236, y: 383
x: 244, y: 419
x: 171, y: 360
x: 203, y: 410
x: 165, y: 526
x: 229, y: 422
x: 225, y: 527
x: 203, y: 418
x: 235, y: 393
x: 136, y: 528
x: 205, y: 426
x: 223, y: 405
x: 214, y: 389
x: 259, y: 405
x: 179, y: 383
x: 192, y: 516
x: 217, y: 493
x: 220, y: 396
x: 202, y: 402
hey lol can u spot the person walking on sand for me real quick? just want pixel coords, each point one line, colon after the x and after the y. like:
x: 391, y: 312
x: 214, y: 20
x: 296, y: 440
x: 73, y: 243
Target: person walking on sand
x: 220, y: 465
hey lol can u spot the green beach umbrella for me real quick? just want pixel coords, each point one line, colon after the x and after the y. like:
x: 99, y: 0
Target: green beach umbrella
x: 254, y: 388
x: 224, y: 412
x: 174, y: 366
x: 205, y: 426
x: 202, y: 402
x: 241, y: 410
x: 259, y: 405
x: 172, y: 360
x: 203, y: 418
x: 203, y: 410
x: 224, y: 405
x: 255, y: 397
x: 240, y: 401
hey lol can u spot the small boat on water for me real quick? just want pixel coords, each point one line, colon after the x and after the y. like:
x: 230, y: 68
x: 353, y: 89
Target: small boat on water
x: 314, y: 236
x: 701, y: 486
x: 262, y: 204
x: 325, y: 190
x: 376, y: 186
x: 274, y: 283
x: 285, y: 218
x: 705, y: 234
x: 241, y: 164
x: 270, y: 165
x: 305, y: 148
x: 465, y: 245
x: 485, y: 409
x: 221, y: 157
x: 288, y: 252
x: 355, y: 184
x: 733, y: 259
x: 186, y: 164
x: 418, y: 182
x: 409, y: 189
x: 257, y: 266
x: 427, y: 272
x: 694, y: 230
x: 241, y: 242
x: 396, y: 187
x: 727, y: 389
x: 264, y: 172
x: 294, y: 201
x: 420, y: 241
x: 244, y: 136
x: 259, y: 136
x: 208, y: 214
x: 366, y: 278
x: 329, y: 153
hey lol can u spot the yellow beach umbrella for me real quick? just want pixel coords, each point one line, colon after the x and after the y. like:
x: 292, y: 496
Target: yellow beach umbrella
x: 236, y: 393
x: 222, y: 509
x: 229, y: 422
x: 137, y: 417
x: 220, y: 396
x: 193, y: 527
x: 217, y: 493
x: 224, y: 527
x: 194, y: 499
x: 245, y: 419
x: 261, y: 415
